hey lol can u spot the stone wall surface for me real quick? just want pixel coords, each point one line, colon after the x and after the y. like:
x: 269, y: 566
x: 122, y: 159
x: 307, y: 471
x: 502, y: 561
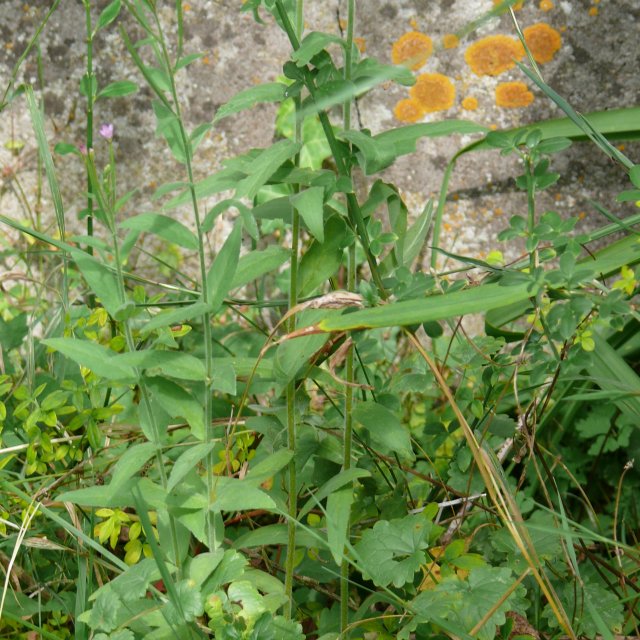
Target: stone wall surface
x: 595, y: 67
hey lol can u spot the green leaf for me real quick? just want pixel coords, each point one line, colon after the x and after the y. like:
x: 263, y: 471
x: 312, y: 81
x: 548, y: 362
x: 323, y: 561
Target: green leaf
x: 104, y: 614
x: 417, y: 234
x: 63, y: 148
x: 321, y: 261
x: 187, y: 60
x: 131, y: 461
x: 634, y: 175
x: 270, y: 627
x: 274, y: 534
x: 189, y: 604
x: 333, y: 484
x: 268, y: 92
x: 135, y: 581
x: 163, y: 226
x: 187, y: 462
x: 175, y: 316
x: 101, y: 279
x: 255, y: 264
x: 393, y: 551
x: 264, y: 165
x: 312, y: 44
x: 175, y: 364
x: 178, y: 403
x: 310, y: 205
x: 380, y: 151
x: 223, y: 376
x: 338, y: 513
x: 439, y: 307
x: 93, y: 356
x: 223, y: 268
x: 291, y: 355
x: 117, y: 89
x: 386, y: 431
x: 268, y: 467
x: 466, y: 602
x: 12, y: 332
x: 231, y: 494
x: 108, y: 15
x: 220, y: 181
x: 611, y: 373
x: 168, y: 127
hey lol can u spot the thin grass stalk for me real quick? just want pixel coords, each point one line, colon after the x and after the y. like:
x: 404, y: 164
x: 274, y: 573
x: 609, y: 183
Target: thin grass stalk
x: 349, y: 370
x: 212, y: 537
x: 89, y: 128
x: 497, y: 487
x: 107, y: 208
x: 291, y: 387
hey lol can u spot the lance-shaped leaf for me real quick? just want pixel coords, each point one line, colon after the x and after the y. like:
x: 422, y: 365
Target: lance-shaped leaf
x: 268, y: 92
x: 473, y: 300
x: 310, y: 205
x: 93, y: 356
x: 167, y: 228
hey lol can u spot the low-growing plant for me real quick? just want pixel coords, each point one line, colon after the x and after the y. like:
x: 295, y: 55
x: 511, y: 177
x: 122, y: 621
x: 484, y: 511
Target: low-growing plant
x: 297, y: 438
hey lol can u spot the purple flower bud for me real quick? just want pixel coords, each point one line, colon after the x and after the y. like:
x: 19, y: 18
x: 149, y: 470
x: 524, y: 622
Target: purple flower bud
x: 106, y: 131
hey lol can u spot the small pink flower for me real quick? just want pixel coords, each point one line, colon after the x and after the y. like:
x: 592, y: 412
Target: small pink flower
x: 83, y: 149
x: 106, y: 131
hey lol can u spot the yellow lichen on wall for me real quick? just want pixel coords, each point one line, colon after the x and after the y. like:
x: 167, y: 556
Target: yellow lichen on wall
x: 493, y: 55
x: 513, y: 95
x: 434, y: 91
x: 450, y: 41
x: 412, y: 49
x: 470, y: 103
x: 516, y: 6
x: 409, y: 110
x: 546, y: 5
x: 543, y: 41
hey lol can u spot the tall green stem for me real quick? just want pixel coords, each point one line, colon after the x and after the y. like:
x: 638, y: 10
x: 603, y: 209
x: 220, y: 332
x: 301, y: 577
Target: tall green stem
x: 213, y: 541
x: 292, y: 488
x: 106, y: 203
x: 342, y: 163
x: 348, y: 400
x: 89, y: 131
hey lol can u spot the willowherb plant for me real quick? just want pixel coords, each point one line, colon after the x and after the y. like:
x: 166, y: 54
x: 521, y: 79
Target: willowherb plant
x: 303, y: 441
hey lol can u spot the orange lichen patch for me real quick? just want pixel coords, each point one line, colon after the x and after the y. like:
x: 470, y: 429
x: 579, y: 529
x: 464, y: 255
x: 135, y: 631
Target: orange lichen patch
x: 450, y: 41
x: 206, y: 60
x: 516, y: 6
x: 593, y: 12
x: 413, y: 23
x: 582, y: 215
x: 546, y: 5
x: 361, y: 43
x: 470, y: 103
x: 543, y: 40
x: 412, y: 49
x: 434, y: 92
x: 513, y: 95
x: 409, y: 110
x: 493, y: 55
x: 620, y: 147
x: 186, y: 7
